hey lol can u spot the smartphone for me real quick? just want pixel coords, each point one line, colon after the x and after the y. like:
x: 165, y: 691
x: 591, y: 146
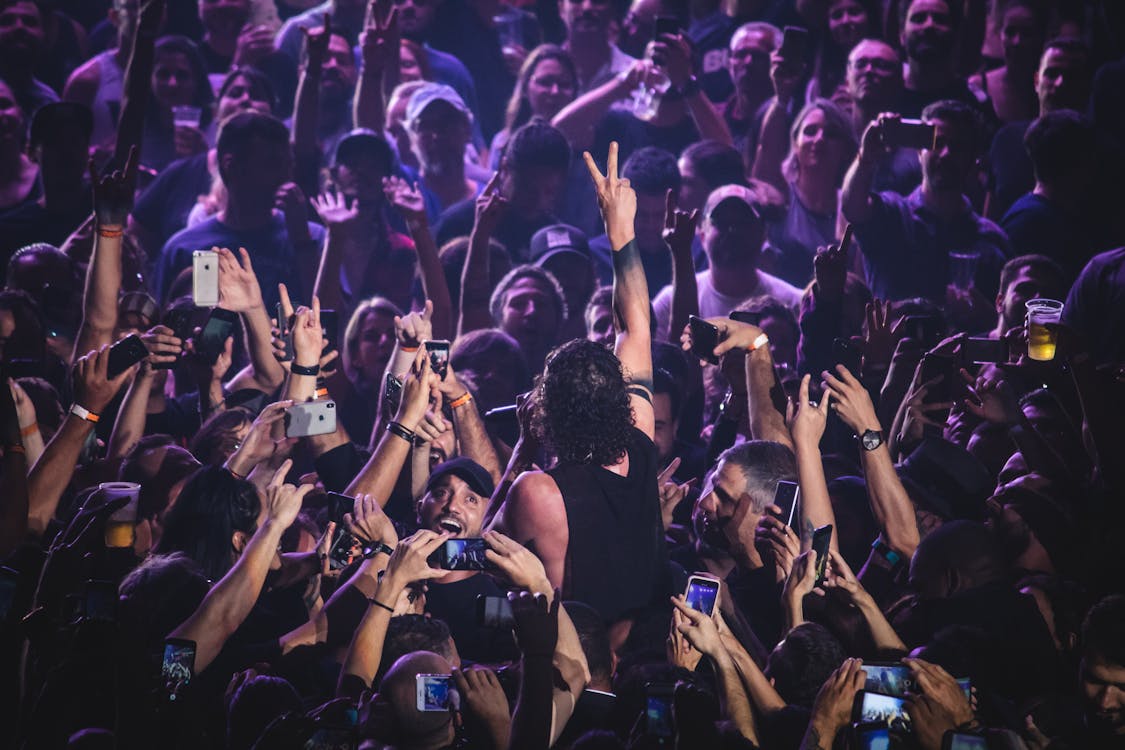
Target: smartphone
x: 124, y: 354
x: 213, y: 337
x: 330, y: 322
x: 434, y: 692
x: 984, y: 350
x: 872, y: 737
x: 494, y: 612
x: 345, y: 550
x: 913, y: 134
x: 666, y: 25
x: 310, y: 418
x: 794, y: 42
x: 392, y: 393
x: 843, y: 353
x: 205, y: 278
x: 178, y: 668
x: 285, y: 333
x: 338, y: 505
x: 966, y: 686
x: 786, y: 497
x: 701, y: 593
x: 25, y: 367
x: 439, y: 357
x: 888, y: 679
x: 932, y: 366
x: 179, y: 321
x: 704, y: 339
x: 100, y: 603
x: 333, y: 738
x: 846, y: 240
x: 461, y: 554
x: 963, y: 741
x: 925, y: 329
x: 821, y: 540
x: 884, y: 710
x: 658, y: 711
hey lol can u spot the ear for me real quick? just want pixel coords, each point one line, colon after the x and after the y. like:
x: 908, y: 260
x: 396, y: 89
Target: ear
x: 238, y: 541
x: 226, y: 164
x: 999, y: 302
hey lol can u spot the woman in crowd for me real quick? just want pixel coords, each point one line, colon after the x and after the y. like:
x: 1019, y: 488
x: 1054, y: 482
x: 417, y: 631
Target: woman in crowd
x: 547, y: 82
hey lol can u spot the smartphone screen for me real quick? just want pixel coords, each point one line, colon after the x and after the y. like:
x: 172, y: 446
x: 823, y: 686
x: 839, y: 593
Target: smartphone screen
x: 785, y: 497
x: 439, y: 356
x: 658, y: 710
x: 821, y: 542
x: 178, y: 668
x: 701, y: 594
x: 888, y: 679
x: 494, y: 612
x: 462, y: 554
x: 884, y: 710
x: 984, y: 350
x: 345, y: 550
x: 704, y: 339
x: 877, y: 738
x: 218, y: 328
x: 433, y: 692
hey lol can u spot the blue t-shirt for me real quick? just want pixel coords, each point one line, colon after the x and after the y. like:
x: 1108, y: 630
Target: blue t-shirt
x: 272, y: 253
x: 906, y: 248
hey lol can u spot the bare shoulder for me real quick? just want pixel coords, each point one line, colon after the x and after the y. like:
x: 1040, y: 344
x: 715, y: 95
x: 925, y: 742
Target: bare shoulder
x: 82, y: 86
x: 535, y: 489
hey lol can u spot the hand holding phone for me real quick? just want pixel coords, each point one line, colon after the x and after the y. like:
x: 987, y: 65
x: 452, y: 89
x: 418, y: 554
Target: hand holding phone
x: 435, y: 692
x: 124, y: 354
x: 213, y: 337
x: 462, y: 554
x: 701, y: 594
x: 913, y: 134
x: 205, y: 278
x: 310, y: 418
x: 704, y: 339
x: 439, y: 357
x: 821, y: 543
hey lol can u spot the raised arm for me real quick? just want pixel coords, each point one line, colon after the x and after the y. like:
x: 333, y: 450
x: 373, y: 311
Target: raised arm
x: 229, y: 602
x: 675, y: 51
x: 137, y: 87
x: 408, y: 200
x: 379, y: 49
x: 13, y: 467
x: 129, y: 428
x: 306, y: 107
x: 579, y: 119
x: 890, y: 504
x: 841, y: 578
x: 856, y: 202
x: 806, y: 424
x: 342, y: 222
x: 472, y: 437
x: 631, y: 305
x: 239, y: 292
x: 773, y: 144
x: 679, y: 233
x: 476, y: 278
x: 113, y: 200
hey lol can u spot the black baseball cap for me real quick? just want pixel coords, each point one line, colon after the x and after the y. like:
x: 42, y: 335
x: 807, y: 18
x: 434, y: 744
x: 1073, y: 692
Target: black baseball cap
x: 555, y: 239
x: 360, y: 141
x: 466, y: 469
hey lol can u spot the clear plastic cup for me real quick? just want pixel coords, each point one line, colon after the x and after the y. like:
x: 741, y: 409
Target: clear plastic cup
x: 1042, y: 337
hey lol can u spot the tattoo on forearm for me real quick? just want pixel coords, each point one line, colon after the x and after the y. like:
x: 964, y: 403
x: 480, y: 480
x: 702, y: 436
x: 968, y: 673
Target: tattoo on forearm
x: 626, y: 259
x: 812, y: 740
x: 807, y: 531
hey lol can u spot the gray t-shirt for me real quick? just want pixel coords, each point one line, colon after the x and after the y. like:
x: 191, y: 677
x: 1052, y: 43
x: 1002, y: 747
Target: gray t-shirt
x: 712, y: 304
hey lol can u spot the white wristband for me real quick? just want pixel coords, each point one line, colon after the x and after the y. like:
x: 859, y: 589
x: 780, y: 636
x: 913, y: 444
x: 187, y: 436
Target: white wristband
x: 759, y: 342
x: 83, y: 413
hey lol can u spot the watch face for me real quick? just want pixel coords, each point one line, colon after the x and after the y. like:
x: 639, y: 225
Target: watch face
x: 872, y: 440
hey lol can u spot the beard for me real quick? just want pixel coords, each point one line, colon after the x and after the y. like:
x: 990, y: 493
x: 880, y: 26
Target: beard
x: 928, y: 47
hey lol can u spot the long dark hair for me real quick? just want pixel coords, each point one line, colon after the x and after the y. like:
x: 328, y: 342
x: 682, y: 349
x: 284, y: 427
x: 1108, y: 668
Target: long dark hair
x: 519, y: 107
x: 204, y: 96
x: 211, y: 507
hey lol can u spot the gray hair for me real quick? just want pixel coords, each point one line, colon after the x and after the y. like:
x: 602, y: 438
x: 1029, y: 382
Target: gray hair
x: 764, y: 463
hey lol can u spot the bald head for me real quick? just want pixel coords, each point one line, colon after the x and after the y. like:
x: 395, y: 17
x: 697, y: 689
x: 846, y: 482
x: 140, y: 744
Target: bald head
x: 416, y: 728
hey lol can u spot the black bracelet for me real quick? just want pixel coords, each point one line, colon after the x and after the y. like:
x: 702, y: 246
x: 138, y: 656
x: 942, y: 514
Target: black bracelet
x: 378, y: 603
x: 397, y: 429
x: 297, y: 369
x: 377, y: 548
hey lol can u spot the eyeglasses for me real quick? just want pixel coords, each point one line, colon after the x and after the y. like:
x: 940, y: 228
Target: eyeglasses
x: 875, y: 63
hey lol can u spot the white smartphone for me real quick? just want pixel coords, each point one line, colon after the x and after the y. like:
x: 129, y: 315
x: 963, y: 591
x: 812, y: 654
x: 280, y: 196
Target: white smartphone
x: 310, y: 418
x: 205, y: 278
x: 701, y: 594
x: 434, y: 692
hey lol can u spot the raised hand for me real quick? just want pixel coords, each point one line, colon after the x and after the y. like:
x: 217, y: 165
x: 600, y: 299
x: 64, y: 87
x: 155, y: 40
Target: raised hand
x: 830, y: 269
x: 853, y: 402
x: 238, y: 285
x: 418, y: 388
x: 113, y: 191
x: 409, y: 563
x: 992, y: 399
x: 671, y: 494
x: 93, y: 388
x: 832, y: 709
x: 917, y: 412
x: 262, y: 439
x: 872, y: 145
x: 680, y: 651
x: 308, y: 336
x: 802, y: 578
x: 775, y: 537
x: 368, y: 521
x: 839, y: 576
x: 679, y: 226
x: 807, y: 420
x: 733, y: 335
x: 163, y: 346
x: 414, y: 328
x: 316, y: 42
x: 254, y: 43
x: 536, y: 622
x: 379, y: 41
x: 517, y: 563
x: 880, y: 339
x: 616, y: 198
x: 290, y: 200
x: 674, y: 54
x: 334, y: 211
x: 283, y: 501
x: 786, y: 76
x: 482, y: 697
x: 940, y: 706
x: 699, y: 629
x: 491, y: 205
x: 406, y: 198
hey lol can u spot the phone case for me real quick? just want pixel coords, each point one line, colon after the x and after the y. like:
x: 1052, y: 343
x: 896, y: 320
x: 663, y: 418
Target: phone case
x: 205, y: 278
x: 124, y: 354
x: 310, y: 418
x: 704, y: 339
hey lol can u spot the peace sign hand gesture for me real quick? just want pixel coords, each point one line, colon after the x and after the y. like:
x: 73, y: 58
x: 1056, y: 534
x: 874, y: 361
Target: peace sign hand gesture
x: 616, y: 199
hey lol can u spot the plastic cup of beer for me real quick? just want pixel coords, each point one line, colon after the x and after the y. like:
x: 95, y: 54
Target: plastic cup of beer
x: 120, y: 530
x: 1042, y: 337
x: 186, y: 116
x: 963, y: 269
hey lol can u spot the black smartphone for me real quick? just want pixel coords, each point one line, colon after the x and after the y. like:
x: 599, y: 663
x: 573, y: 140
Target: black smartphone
x: 786, y: 497
x: 794, y: 43
x: 963, y: 741
x: 888, y: 679
x: 913, y: 134
x: 100, y: 601
x: 330, y: 323
x: 925, y: 329
x: 178, y: 667
x: 338, y: 505
x: 494, y: 612
x: 821, y: 542
x: 392, y: 393
x: 847, y: 355
x: 179, y: 321
x: 984, y: 350
x: 666, y: 25
x: 872, y: 737
x: 846, y: 240
x: 439, y: 357
x: 25, y: 367
x: 285, y: 333
x: 658, y: 711
x: 218, y: 328
x: 883, y: 710
x: 124, y: 354
x: 461, y: 554
x: 932, y: 366
x: 704, y: 339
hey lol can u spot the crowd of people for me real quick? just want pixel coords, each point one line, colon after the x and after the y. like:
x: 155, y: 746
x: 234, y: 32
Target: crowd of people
x: 590, y: 374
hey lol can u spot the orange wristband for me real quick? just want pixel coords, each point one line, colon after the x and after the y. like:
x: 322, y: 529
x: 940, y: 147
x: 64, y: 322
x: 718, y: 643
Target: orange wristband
x: 461, y: 400
x: 409, y: 349
x: 110, y: 233
x: 31, y: 429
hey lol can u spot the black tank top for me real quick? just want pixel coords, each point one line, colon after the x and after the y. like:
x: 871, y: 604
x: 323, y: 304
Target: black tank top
x: 615, y: 559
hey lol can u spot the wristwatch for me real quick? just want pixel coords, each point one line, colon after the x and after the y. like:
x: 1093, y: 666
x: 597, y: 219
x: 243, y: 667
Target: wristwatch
x: 377, y: 548
x: 871, y: 439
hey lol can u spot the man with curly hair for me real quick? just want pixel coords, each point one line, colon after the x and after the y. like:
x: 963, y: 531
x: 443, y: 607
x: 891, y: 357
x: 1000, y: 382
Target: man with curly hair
x: 594, y: 517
